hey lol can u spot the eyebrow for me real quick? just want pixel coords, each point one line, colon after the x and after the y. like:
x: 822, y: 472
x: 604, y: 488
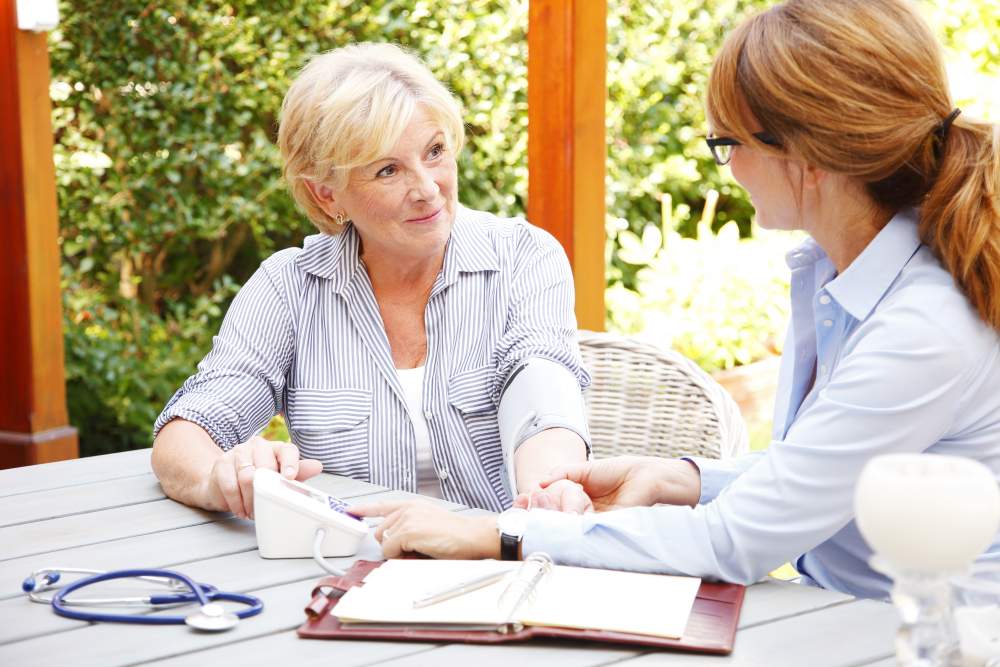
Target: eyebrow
x: 437, y: 135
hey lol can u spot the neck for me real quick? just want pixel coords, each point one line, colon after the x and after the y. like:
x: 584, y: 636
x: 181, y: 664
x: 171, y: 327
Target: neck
x: 844, y: 226
x: 392, y: 273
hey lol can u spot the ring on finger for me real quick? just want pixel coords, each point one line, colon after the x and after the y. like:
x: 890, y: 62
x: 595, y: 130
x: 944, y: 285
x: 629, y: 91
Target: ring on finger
x: 385, y: 534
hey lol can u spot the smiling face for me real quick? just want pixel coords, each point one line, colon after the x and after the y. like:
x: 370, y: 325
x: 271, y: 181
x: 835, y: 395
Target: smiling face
x: 402, y: 205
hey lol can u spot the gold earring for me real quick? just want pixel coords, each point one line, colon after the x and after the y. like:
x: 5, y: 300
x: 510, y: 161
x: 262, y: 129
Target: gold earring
x: 340, y: 218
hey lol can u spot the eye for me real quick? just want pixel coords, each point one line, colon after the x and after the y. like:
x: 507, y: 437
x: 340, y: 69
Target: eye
x: 386, y: 171
x: 436, y: 151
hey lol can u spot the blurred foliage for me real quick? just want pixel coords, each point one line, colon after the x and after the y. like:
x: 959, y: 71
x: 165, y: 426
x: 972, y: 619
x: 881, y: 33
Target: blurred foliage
x: 716, y: 298
x: 169, y: 181
x: 970, y: 30
x: 659, y: 59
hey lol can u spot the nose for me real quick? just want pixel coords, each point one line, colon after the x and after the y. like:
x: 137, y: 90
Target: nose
x: 423, y: 185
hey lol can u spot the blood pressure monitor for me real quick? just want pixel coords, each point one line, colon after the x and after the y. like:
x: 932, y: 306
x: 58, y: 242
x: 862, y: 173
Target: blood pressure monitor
x: 288, y: 513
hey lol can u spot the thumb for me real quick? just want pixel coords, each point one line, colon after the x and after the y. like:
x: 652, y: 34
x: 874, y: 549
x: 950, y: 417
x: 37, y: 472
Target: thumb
x: 521, y: 501
x: 308, y: 468
x: 574, y: 472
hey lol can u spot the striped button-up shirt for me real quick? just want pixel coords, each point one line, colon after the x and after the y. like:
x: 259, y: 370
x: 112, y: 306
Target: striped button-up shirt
x: 304, y: 337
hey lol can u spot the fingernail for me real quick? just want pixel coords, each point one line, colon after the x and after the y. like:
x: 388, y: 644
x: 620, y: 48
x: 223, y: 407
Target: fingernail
x: 289, y: 472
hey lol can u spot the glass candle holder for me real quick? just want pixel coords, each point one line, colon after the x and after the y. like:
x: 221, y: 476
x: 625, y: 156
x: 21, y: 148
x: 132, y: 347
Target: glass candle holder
x: 926, y: 517
x: 976, y: 598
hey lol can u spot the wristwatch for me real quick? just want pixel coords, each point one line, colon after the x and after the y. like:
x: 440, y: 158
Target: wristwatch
x: 511, y: 525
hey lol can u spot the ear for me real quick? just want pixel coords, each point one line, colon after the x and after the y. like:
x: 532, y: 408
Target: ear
x: 321, y: 193
x: 813, y: 177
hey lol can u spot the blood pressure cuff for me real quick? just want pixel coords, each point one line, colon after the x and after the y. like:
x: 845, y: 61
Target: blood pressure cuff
x: 539, y: 394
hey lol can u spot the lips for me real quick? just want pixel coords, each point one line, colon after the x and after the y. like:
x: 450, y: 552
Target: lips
x: 427, y: 218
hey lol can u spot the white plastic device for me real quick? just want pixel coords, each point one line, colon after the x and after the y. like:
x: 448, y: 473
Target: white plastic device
x: 37, y: 15
x: 288, y: 513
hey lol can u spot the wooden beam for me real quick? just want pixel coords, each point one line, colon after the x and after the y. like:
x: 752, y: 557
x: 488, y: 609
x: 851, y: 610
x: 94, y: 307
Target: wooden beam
x: 33, y: 419
x: 567, y: 65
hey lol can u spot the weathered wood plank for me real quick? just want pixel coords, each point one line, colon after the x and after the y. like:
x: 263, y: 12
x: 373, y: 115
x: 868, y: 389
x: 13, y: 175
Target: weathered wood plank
x: 168, y: 548
x: 773, y: 599
x: 284, y: 647
x: 79, y: 499
x: 838, y: 636
x: 540, y: 653
x: 41, y: 537
x: 78, y: 471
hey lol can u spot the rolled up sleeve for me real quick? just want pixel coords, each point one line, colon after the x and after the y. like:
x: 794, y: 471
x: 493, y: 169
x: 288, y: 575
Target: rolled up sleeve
x: 239, y: 384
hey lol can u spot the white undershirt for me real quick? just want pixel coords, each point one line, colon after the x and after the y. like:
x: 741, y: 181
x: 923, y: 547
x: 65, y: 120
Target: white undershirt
x: 412, y: 380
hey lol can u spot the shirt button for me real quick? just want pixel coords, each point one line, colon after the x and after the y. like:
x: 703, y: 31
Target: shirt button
x: 443, y: 473
x: 824, y: 299
x: 828, y: 323
x: 428, y: 414
x: 406, y: 475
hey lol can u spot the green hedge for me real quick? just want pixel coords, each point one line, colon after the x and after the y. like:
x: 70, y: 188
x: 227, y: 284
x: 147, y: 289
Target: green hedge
x: 169, y: 183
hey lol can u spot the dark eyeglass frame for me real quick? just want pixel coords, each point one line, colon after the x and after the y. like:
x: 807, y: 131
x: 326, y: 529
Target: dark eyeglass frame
x: 715, y: 142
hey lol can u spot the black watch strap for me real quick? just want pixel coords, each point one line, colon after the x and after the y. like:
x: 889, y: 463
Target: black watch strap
x: 509, y: 546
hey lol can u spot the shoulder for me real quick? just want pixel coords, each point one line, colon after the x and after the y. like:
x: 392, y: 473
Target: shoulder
x: 288, y: 270
x: 281, y: 261
x: 926, y: 314
x: 509, y: 236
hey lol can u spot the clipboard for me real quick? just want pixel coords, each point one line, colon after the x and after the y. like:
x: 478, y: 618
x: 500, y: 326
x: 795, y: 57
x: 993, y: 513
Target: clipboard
x: 711, y: 626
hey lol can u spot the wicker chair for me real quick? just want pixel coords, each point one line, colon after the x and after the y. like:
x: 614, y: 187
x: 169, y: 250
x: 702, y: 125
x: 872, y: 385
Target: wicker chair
x: 648, y: 400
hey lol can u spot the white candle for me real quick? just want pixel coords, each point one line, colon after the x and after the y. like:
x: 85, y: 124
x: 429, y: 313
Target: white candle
x: 978, y: 634
x: 926, y: 513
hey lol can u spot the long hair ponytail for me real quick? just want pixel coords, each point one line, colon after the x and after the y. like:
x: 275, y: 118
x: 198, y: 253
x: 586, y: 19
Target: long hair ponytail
x: 960, y: 216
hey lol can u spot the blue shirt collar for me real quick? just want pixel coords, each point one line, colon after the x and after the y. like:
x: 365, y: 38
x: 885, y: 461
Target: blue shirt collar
x: 863, y: 284
x: 335, y: 257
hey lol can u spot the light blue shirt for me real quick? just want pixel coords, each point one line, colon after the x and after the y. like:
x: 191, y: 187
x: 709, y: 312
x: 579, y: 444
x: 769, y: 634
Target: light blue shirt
x: 902, y: 363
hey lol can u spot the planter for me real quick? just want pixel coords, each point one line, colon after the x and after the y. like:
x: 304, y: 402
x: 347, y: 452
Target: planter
x: 753, y: 388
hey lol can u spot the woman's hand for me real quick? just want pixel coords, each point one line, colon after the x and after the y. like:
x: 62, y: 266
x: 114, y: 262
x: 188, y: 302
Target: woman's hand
x: 564, y: 495
x: 632, y: 481
x: 416, y: 526
x: 230, y: 484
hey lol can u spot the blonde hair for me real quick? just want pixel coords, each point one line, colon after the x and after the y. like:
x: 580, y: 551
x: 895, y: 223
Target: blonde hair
x: 858, y: 87
x: 348, y: 107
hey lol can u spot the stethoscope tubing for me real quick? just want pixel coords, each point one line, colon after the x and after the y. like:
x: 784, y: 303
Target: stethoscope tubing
x: 200, y: 593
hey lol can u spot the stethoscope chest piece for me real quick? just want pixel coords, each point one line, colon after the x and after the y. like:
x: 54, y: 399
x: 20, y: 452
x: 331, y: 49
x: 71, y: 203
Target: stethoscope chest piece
x: 212, y: 617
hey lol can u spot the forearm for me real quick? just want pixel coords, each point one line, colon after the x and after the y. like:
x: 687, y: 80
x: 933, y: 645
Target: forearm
x: 183, y: 456
x: 542, y: 452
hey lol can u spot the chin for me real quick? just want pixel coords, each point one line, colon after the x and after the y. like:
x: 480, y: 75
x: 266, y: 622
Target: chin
x: 770, y: 223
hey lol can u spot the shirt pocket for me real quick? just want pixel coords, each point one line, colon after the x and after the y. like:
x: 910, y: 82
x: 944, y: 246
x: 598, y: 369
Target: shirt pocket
x: 332, y: 425
x: 469, y: 392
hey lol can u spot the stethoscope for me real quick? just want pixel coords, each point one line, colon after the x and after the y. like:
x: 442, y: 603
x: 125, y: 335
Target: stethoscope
x: 211, y: 616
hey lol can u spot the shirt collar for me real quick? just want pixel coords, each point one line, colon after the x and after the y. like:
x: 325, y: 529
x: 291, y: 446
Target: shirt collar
x: 863, y: 284
x: 335, y: 257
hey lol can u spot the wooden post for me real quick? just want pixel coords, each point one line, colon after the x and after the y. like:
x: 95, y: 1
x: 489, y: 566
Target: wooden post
x: 33, y: 419
x: 567, y: 65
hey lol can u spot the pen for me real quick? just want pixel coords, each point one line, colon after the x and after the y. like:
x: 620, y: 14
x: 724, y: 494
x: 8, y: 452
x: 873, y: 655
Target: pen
x: 459, y: 589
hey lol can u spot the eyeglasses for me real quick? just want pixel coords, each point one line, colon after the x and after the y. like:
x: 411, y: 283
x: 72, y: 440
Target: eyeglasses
x: 722, y: 147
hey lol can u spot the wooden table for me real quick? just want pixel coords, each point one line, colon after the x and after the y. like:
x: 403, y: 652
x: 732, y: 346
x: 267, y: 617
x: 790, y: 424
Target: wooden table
x: 108, y: 512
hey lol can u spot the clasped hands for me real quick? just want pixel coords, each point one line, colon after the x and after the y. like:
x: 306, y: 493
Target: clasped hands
x: 603, y: 485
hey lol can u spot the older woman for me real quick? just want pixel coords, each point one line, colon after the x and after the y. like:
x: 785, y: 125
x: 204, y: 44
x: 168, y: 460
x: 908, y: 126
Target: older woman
x: 414, y: 343
x: 835, y: 116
